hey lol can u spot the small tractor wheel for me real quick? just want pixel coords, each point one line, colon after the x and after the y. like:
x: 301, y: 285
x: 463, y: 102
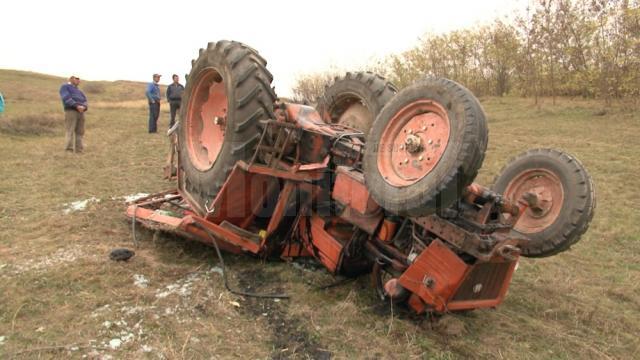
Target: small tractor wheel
x: 426, y: 145
x: 355, y: 100
x: 565, y: 199
x: 228, y: 92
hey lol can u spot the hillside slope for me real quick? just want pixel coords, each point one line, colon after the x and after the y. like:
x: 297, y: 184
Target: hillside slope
x: 18, y: 86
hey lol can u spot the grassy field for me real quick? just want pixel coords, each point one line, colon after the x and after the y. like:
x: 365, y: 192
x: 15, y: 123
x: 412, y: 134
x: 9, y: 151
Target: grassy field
x: 61, y: 296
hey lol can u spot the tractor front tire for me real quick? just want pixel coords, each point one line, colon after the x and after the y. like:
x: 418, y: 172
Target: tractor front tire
x: 565, y: 205
x: 426, y: 145
x: 355, y: 100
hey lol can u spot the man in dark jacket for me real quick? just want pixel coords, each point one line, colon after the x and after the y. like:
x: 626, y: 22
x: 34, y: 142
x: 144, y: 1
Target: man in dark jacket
x: 75, y: 105
x: 174, y: 96
x: 153, y: 96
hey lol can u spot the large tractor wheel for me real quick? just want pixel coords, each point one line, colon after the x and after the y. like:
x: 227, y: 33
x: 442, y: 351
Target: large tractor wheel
x: 228, y: 92
x: 355, y: 100
x: 565, y: 199
x: 425, y: 147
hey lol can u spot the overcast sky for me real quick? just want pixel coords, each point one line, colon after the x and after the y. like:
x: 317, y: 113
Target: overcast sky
x: 130, y: 40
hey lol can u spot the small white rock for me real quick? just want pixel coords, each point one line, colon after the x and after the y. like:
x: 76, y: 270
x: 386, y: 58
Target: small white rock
x: 115, y: 343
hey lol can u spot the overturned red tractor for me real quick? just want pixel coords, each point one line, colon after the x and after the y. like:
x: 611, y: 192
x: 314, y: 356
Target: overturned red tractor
x: 371, y: 180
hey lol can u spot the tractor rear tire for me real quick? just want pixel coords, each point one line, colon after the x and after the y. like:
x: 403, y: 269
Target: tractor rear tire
x: 566, y: 196
x: 355, y: 99
x: 440, y: 127
x: 228, y: 92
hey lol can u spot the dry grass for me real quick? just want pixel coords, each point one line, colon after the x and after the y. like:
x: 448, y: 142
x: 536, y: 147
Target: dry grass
x: 44, y: 124
x: 60, y: 295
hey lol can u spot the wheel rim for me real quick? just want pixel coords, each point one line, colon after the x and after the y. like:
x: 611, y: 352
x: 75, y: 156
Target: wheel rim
x: 206, y: 119
x: 413, y: 143
x: 550, y: 195
x: 352, y: 113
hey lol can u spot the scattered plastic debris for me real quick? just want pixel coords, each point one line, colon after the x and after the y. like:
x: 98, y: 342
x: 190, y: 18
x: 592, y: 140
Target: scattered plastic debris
x: 78, y: 205
x: 234, y: 303
x: 2, y: 339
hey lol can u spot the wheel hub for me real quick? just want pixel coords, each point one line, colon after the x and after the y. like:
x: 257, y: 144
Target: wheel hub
x: 413, y: 144
x: 548, y: 197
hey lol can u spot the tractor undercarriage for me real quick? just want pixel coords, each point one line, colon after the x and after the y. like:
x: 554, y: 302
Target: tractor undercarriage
x: 283, y: 180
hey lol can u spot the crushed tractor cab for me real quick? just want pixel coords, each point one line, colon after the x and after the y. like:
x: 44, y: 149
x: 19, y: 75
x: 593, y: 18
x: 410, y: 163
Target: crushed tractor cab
x: 374, y: 180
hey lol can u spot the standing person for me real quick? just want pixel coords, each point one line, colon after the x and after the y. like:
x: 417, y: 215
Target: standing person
x: 174, y: 96
x: 153, y: 96
x: 75, y: 105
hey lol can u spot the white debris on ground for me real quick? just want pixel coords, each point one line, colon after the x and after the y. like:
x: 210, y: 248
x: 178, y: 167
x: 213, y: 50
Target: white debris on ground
x: 181, y: 287
x: 42, y: 263
x: 140, y: 281
x: 126, y: 327
x: 134, y: 197
x: 78, y: 205
x: 2, y: 339
x: 100, y: 311
x: 131, y: 197
x: 115, y: 343
x: 216, y: 270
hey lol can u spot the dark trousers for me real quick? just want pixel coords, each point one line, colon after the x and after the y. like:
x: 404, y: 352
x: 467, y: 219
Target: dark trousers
x: 173, y: 107
x: 154, y: 113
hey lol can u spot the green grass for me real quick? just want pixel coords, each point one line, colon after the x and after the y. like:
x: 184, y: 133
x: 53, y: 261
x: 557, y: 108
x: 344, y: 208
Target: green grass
x: 58, y: 289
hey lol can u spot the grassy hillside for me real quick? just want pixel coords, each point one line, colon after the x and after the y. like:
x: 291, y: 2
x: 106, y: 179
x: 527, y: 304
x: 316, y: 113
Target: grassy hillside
x: 61, y: 296
x: 24, y: 86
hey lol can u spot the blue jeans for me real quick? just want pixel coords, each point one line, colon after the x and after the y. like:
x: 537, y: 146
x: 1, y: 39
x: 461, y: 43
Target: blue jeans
x: 154, y: 113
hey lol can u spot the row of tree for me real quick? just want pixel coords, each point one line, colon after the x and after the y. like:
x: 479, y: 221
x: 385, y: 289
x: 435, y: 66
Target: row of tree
x: 588, y: 48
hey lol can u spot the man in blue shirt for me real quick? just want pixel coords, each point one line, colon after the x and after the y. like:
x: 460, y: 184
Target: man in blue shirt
x: 153, y: 96
x: 75, y: 105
